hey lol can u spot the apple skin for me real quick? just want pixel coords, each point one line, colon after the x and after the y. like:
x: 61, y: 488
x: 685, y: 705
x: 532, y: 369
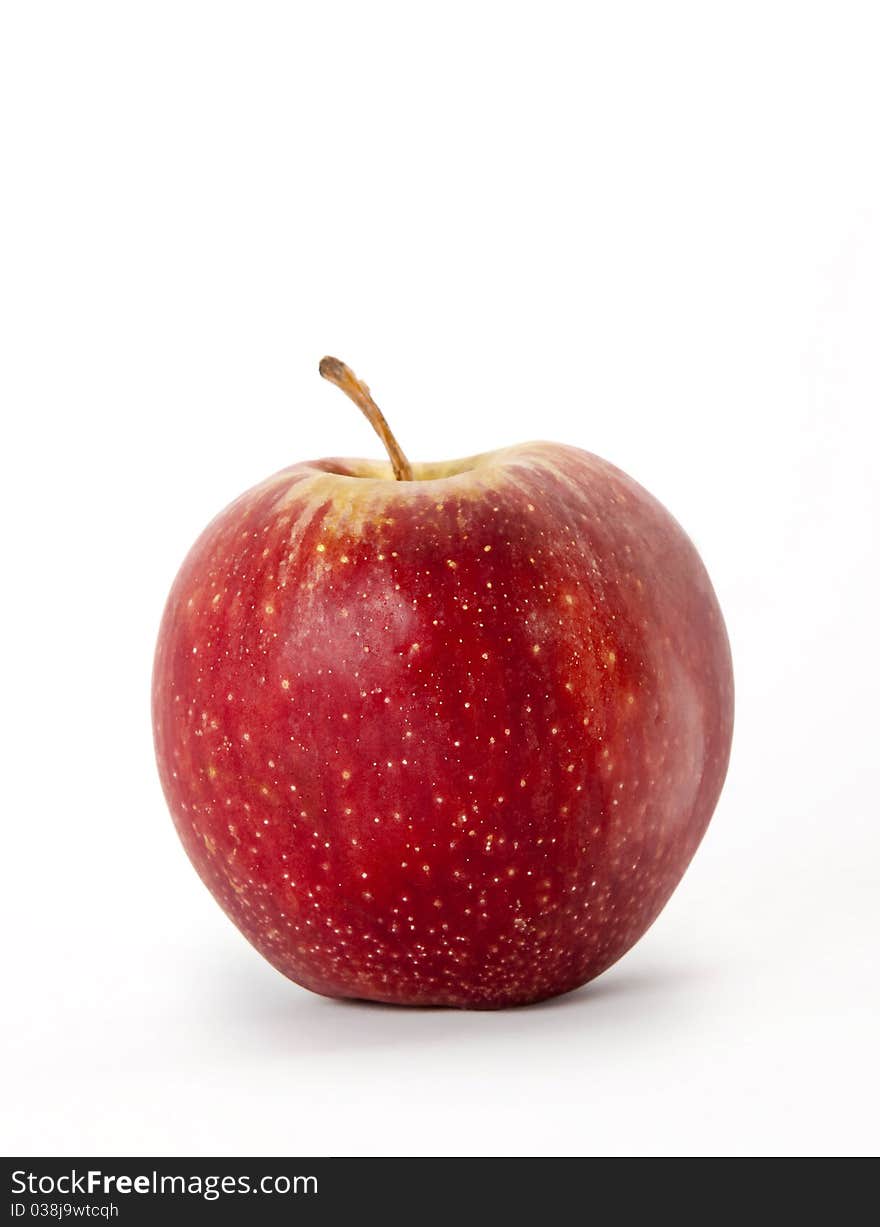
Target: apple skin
x: 451, y: 741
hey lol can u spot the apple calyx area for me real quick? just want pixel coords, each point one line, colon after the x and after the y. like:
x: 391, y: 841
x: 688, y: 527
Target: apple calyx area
x: 355, y: 389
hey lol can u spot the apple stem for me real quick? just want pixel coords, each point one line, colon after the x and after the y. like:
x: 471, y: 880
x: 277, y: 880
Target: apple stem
x: 344, y: 377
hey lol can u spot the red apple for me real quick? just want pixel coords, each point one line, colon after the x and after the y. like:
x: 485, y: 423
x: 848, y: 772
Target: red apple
x: 448, y: 739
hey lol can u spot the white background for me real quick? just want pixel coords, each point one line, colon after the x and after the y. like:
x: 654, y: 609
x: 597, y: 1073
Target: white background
x: 649, y: 230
